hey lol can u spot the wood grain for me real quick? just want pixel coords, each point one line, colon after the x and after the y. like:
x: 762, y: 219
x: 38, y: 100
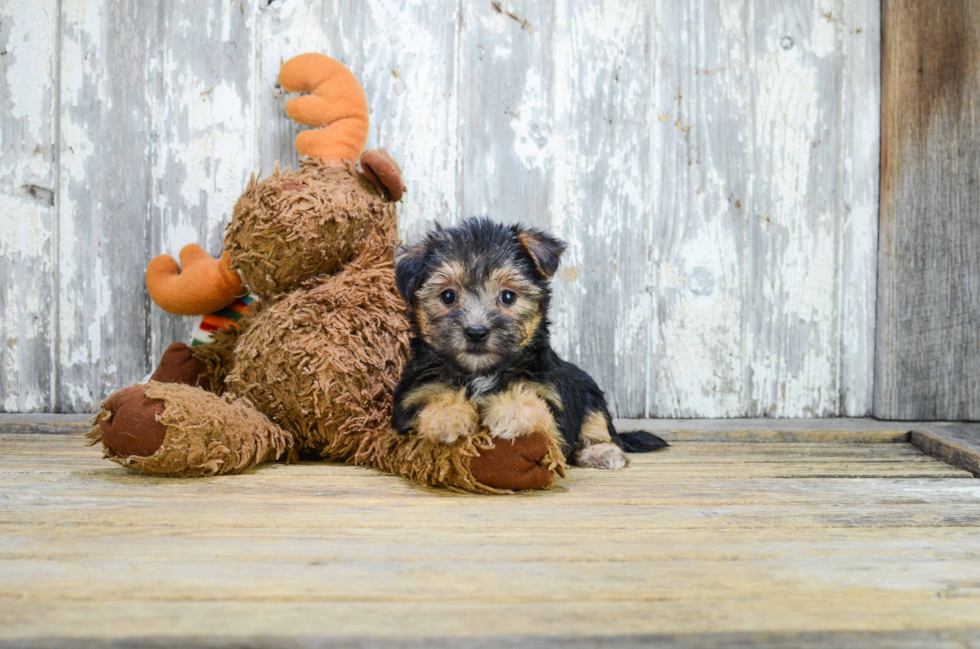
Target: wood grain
x: 955, y: 444
x: 713, y: 167
x: 105, y: 190
x: 750, y: 211
x: 506, y: 128
x: 728, y: 540
x: 858, y: 177
x: 602, y: 170
x: 155, y: 149
x: 28, y: 184
x: 953, y: 639
x: 928, y: 363
x: 202, y: 142
x: 404, y: 54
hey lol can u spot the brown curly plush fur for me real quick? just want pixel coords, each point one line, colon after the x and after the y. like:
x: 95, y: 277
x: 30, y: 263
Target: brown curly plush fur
x: 206, y: 434
x: 440, y: 465
x: 328, y: 358
x: 312, y: 369
x: 277, y: 233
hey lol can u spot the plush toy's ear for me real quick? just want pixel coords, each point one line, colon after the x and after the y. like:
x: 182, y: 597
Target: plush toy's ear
x: 545, y: 250
x: 409, y: 265
x: 382, y: 170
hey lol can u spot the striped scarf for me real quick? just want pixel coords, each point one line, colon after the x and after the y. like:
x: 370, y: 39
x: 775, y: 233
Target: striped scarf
x: 226, y: 317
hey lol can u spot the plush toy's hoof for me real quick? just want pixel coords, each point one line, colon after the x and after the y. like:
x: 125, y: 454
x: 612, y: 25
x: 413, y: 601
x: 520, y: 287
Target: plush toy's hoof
x: 179, y: 365
x: 514, y: 464
x: 129, y: 425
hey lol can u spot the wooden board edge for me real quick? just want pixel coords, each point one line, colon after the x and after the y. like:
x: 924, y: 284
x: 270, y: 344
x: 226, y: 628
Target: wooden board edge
x: 45, y: 424
x: 837, y: 430
x: 673, y: 430
x: 776, y: 436
x: 953, y: 451
x: 911, y: 639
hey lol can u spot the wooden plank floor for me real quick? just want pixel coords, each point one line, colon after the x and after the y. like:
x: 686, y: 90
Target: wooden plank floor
x: 829, y: 539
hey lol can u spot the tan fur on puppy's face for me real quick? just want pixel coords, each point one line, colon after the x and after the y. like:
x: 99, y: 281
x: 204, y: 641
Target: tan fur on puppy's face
x: 478, y: 301
x: 479, y: 292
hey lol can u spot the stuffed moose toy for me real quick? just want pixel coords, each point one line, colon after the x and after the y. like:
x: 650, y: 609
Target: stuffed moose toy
x: 311, y: 367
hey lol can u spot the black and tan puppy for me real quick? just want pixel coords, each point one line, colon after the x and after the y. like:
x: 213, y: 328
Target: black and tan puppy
x: 481, y: 356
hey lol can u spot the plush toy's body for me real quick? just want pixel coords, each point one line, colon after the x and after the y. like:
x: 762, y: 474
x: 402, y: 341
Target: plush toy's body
x: 312, y: 367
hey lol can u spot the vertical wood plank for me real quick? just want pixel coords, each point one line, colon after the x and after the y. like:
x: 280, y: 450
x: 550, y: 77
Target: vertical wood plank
x: 404, y: 54
x: 156, y: 147
x: 28, y: 35
x: 505, y: 111
x: 601, y: 91
x: 928, y: 339
x: 712, y: 166
x: 202, y: 138
x: 699, y: 197
x: 750, y: 209
x: 796, y: 210
x: 858, y: 176
x: 106, y: 179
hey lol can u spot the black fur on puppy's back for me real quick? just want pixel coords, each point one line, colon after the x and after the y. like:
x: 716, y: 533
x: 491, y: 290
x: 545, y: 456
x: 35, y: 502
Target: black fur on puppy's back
x: 580, y: 396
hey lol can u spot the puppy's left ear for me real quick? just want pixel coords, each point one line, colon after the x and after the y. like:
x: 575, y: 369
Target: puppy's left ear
x: 409, y: 264
x: 545, y: 250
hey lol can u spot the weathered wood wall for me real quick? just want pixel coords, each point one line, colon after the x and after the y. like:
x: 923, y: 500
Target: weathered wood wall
x: 714, y: 167
x: 928, y: 334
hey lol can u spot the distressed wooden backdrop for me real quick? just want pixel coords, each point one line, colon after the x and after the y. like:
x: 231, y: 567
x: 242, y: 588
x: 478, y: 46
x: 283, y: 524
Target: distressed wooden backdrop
x: 713, y: 166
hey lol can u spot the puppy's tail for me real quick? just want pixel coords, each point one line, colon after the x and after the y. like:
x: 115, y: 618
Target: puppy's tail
x: 639, y: 441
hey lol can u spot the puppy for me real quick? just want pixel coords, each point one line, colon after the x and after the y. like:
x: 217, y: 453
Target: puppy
x: 478, y: 295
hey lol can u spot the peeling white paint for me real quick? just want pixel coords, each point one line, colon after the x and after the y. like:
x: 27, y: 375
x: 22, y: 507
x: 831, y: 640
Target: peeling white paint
x: 721, y: 251
x: 23, y: 230
x: 530, y: 134
x: 825, y: 22
x: 404, y: 54
x: 28, y: 62
x: 27, y: 184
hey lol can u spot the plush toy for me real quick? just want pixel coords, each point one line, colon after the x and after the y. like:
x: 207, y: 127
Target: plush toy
x: 311, y: 367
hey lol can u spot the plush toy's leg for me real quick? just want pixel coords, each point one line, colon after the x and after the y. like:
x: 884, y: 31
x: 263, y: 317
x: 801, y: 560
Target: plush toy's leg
x: 217, y: 356
x: 170, y: 429
x: 179, y: 365
x: 473, y: 463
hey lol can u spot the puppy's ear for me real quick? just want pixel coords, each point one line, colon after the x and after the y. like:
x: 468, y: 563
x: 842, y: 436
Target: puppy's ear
x: 545, y: 250
x: 409, y: 264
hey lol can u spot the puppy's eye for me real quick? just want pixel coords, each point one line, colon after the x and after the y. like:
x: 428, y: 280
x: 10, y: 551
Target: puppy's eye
x: 448, y: 297
x: 508, y: 297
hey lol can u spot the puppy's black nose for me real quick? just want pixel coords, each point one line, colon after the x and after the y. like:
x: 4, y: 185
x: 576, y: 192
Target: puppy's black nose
x: 476, y: 333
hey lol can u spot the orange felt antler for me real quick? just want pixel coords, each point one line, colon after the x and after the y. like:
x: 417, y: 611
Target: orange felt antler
x: 337, y: 107
x: 199, y: 285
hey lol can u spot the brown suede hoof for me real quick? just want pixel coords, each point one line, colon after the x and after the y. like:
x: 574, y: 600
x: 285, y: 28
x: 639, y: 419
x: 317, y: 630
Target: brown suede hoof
x: 513, y: 464
x: 130, y: 426
x: 179, y: 365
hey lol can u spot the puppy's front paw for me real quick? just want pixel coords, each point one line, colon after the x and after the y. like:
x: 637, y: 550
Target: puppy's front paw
x: 602, y: 456
x: 518, y: 412
x: 448, y: 417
